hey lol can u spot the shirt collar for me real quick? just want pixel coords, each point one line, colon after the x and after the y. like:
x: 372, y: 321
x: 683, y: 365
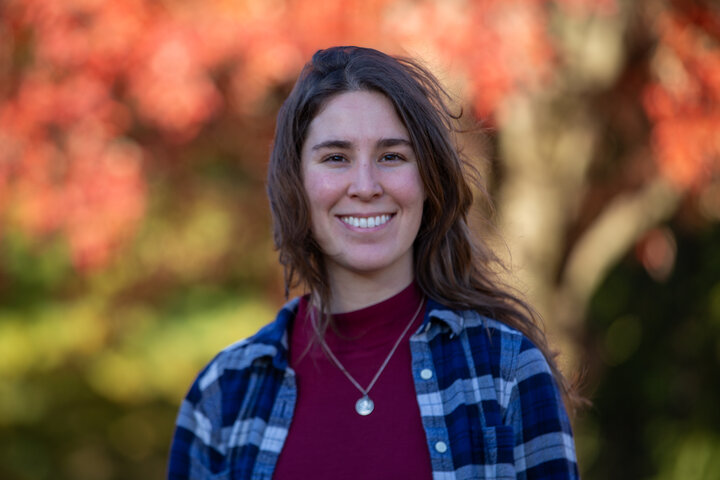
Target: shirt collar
x: 276, y: 333
x: 437, y: 313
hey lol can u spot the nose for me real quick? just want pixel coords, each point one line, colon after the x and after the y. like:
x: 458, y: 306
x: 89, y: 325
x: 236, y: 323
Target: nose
x: 365, y: 182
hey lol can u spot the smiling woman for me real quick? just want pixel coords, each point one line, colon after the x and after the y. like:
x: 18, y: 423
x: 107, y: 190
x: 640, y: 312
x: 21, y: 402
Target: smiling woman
x: 406, y: 358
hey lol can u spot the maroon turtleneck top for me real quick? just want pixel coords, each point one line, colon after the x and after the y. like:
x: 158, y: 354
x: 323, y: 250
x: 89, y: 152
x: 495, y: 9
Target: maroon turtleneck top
x: 327, y: 437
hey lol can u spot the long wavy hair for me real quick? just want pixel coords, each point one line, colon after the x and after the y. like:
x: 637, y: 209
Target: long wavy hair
x: 450, y: 264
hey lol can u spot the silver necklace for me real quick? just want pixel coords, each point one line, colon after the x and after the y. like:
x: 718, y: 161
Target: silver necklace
x: 364, y: 406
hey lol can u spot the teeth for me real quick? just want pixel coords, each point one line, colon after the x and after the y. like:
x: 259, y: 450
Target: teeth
x: 366, y: 222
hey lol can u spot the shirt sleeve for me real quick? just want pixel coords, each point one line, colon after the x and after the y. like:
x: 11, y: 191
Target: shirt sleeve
x: 544, y: 445
x: 192, y: 455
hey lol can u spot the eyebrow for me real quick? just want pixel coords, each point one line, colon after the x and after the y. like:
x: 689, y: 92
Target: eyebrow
x: 341, y: 144
x: 393, y: 142
x: 347, y: 145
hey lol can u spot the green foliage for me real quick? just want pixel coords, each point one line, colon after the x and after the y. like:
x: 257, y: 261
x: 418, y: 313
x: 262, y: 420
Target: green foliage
x: 654, y: 361
x: 94, y: 393
x: 93, y: 365
x: 26, y: 278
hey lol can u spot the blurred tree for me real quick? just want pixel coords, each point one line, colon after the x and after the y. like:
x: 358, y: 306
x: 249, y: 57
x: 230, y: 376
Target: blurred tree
x: 134, y: 231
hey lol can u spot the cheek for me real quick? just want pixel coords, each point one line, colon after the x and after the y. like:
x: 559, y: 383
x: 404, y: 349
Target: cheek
x: 321, y: 198
x: 321, y: 192
x: 310, y: 184
x: 410, y: 191
x: 320, y: 201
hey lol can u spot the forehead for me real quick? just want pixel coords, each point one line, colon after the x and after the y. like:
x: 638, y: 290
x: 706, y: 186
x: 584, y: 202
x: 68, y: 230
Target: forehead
x: 357, y: 115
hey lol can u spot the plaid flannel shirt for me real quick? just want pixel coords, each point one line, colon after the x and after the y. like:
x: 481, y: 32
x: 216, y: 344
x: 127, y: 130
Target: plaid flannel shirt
x: 488, y: 401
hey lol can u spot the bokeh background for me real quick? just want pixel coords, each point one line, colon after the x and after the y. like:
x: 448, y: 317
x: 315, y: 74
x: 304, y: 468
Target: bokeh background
x: 134, y: 227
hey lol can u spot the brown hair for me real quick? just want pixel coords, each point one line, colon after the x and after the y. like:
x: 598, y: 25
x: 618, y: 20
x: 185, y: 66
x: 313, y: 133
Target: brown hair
x: 451, y: 266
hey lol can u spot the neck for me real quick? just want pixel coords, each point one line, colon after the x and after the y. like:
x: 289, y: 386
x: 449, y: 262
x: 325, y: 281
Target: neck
x: 352, y: 291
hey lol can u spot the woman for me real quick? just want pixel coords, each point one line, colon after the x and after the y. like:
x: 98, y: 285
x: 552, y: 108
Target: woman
x: 406, y: 359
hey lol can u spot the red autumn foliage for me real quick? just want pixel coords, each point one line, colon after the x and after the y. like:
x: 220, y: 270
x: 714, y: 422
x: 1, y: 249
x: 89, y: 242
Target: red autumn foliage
x: 683, y: 100
x: 499, y: 46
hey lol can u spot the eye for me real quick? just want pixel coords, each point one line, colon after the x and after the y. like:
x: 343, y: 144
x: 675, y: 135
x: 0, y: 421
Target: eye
x: 334, y: 159
x: 391, y: 157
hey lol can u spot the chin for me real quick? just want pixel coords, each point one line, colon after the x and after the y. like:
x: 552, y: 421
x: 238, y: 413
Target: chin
x: 369, y: 264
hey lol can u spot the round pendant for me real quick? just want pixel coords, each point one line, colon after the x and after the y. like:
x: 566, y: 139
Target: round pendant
x: 364, y: 406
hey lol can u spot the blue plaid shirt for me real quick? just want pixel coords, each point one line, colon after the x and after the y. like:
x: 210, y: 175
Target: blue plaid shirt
x: 488, y: 401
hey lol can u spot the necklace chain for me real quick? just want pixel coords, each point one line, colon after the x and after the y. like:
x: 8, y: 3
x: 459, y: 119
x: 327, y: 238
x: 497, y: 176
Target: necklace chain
x: 365, y: 391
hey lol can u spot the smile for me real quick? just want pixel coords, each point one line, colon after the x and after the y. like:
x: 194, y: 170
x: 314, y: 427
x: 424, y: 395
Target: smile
x: 366, y: 222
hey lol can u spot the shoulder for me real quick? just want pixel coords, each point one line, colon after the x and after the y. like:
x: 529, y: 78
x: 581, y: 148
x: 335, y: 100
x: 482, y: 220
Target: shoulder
x: 268, y: 346
x: 514, y: 382
x: 215, y: 400
x: 503, y: 351
x: 522, y: 356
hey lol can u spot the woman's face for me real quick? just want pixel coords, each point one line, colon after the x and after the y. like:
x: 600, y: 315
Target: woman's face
x: 365, y: 192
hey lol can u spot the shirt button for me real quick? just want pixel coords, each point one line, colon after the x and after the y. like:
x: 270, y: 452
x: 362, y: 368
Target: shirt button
x: 441, y: 447
x: 426, y: 374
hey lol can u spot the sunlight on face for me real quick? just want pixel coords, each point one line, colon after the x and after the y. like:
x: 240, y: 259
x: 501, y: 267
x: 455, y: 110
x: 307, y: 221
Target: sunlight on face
x: 364, y: 188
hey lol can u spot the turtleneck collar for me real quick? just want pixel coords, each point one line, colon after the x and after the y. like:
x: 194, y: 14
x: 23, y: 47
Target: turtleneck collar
x: 370, y: 327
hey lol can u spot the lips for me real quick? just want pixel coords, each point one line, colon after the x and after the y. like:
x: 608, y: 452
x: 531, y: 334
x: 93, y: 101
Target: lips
x: 366, y: 222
